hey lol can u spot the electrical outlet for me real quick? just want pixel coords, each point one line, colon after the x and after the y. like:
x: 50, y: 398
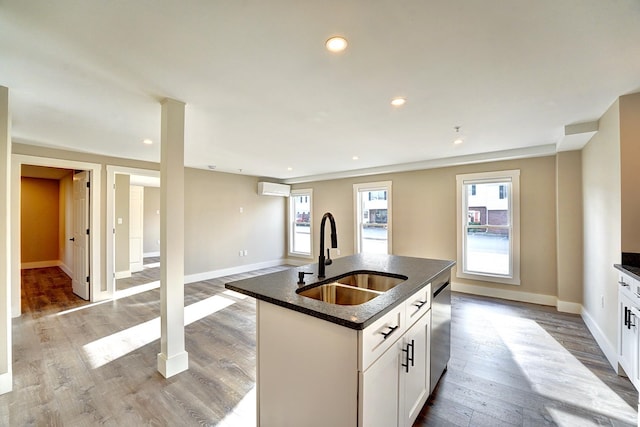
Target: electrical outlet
x: 240, y: 253
x: 245, y: 252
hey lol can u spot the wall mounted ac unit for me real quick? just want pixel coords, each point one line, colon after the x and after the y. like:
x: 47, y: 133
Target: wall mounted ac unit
x: 273, y: 189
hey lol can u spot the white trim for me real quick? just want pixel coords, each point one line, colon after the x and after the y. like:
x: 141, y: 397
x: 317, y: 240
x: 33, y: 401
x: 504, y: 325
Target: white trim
x: 373, y: 186
x: 505, y: 294
x: 295, y: 193
x: 607, y: 348
x: 110, y: 219
x: 40, y: 264
x: 569, y: 307
x: 122, y: 274
x: 519, y: 153
x: 150, y: 254
x: 64, y: 267
x: 6, y: 382
x: 513, y: 177
x: 95, y: 238
x: 214, y: 274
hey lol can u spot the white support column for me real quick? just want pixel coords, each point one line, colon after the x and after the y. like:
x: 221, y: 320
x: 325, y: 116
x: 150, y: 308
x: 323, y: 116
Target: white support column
x: 6, y: 375
x: 173, y: 358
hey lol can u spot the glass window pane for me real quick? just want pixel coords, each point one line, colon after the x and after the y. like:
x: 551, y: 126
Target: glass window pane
x: 373, y: 234
x: 487, y: 251
x: 301, y: 225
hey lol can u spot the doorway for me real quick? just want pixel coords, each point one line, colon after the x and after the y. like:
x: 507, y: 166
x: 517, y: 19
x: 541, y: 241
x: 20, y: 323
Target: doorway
x: 85, y: 246
x: 133, y: 206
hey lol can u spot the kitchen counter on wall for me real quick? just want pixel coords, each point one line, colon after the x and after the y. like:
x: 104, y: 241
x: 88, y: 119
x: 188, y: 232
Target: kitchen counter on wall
x: 630, y: 264
x: 280, y: 288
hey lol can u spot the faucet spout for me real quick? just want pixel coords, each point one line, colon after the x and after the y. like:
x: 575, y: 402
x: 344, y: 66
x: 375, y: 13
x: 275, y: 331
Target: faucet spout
x: 322, y: 261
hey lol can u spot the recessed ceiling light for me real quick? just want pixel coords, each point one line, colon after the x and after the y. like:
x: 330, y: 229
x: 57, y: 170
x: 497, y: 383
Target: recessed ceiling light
x: 289, y: 169
x: 397, y: 102
x: 458, y: 140
x: 336, y: 44
x: 147, y: 141
x: 211, y: 167
x: 355, y: 157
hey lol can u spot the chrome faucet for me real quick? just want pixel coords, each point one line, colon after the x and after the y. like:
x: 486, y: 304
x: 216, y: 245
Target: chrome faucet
x: 322, y: 261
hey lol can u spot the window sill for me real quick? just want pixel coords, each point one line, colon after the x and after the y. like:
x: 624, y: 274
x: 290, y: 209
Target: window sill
x: 490, y: 278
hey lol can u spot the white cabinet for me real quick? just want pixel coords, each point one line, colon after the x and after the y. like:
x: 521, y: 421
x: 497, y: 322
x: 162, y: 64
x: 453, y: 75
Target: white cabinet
x: 316, y: 373
x: 414, y: 375
x: 396, y: 386
x: 379, y: 406
x: 628, y: 333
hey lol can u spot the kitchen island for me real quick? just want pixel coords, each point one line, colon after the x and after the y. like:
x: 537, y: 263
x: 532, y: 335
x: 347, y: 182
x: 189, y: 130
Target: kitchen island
x: 345, y: 364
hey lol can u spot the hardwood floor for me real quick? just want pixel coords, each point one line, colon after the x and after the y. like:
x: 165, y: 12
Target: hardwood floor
x: 77, y: 364
x: 516, y: 364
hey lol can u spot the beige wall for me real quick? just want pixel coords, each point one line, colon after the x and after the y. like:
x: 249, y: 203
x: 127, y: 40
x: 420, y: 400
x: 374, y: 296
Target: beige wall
x: 39, y: 216
x: 630, y: 171
x: 602, y: 223
x: 216, y: 230
x: 151, y: 220
x: 569, y: 225
x: 30, y: 150
x: 424, y: 216
x: 122, y: 230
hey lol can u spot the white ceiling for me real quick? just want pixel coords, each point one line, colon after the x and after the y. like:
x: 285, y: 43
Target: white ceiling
x: 263, y: 94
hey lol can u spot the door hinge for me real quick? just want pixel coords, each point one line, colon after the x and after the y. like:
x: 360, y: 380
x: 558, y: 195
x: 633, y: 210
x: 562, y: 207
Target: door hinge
x: 88, y: 185
x: 87, y: 231
x: 87, y: 279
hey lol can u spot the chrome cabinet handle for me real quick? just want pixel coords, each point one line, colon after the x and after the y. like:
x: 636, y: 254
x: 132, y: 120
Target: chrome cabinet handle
x: 620, y: 282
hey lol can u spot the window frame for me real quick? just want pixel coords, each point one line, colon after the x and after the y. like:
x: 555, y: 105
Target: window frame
x: 291, y: 221
x: 512, y: 176
x: 357, y: 206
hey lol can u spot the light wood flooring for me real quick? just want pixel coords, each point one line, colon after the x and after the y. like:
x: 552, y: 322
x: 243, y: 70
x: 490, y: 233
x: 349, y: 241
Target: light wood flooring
x: 82, y: 364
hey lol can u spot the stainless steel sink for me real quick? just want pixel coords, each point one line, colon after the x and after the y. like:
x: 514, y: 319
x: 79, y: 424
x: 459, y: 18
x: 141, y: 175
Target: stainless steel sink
x: 336, y: 293
x: 354, y: 288
x: 372, y: 281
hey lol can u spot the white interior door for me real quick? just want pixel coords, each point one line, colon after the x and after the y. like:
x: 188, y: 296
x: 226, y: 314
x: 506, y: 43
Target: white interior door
x: 81, y: 274
x: 136, y: 227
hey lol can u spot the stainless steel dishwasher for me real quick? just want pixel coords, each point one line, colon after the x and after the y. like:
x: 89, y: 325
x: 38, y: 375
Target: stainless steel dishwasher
x: 440, y: 329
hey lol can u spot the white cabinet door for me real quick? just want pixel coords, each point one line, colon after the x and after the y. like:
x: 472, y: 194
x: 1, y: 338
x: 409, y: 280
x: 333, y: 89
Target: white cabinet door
x: 414, y: 375
x: 628, y: 338
x: 379, y: 390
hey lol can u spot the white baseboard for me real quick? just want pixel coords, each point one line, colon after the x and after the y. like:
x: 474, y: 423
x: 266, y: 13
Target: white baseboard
x: 505, y: 294
x: 40, y: 264
x: 607, y: 348
x: 214, y: 274
x: 150, y: 254
x: 64, y: 267
x: 569, y: 307
x: 122, y: 274
x: 6, y: 382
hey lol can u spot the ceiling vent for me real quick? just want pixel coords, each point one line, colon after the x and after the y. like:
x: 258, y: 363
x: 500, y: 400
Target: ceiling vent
x: 273, y: 189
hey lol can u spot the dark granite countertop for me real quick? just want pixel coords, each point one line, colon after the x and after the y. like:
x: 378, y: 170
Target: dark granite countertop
x: 631, y: 270
x: 280, y: 288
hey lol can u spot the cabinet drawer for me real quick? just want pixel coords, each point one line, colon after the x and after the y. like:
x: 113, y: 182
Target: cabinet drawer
x: 417, y: 305
x: 379, y: 336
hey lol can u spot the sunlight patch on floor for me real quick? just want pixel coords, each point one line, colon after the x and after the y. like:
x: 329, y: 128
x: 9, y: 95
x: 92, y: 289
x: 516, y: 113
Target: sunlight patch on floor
x: 244, y: 414
x: 574, y: 383
x: 109, y: 348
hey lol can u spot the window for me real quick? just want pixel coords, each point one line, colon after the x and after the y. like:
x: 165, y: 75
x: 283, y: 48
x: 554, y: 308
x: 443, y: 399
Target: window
x: 372, y: 202
x: 489, y: 226
x: 300, y: 229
